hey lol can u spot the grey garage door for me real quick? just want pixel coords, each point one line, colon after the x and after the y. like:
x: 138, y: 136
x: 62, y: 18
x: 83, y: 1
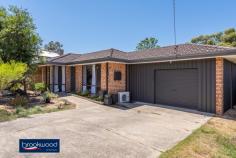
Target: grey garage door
x: 178, y: 87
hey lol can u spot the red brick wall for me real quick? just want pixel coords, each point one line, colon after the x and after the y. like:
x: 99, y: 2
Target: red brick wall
x: 104, y: 76
x: 116, y: 86
x: 44, y: 74
x: 68, y: 76
x: 37, y: 76
x: 219, y: 85
x: 78, y: 78
x: 113, y: 86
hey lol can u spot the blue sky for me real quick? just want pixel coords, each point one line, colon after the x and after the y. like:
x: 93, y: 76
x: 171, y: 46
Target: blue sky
x: 90, y: 25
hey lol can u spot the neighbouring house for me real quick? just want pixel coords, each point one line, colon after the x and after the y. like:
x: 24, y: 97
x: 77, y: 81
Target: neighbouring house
x: 200, y: 77
x: 48, y: 55
x: 44, y: 56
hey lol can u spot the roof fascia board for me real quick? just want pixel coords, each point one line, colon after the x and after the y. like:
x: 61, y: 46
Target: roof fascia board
x: 42, y: 65
x: 151, y: 60
x: 170, y: 60
x: 107, y: 59
x: 99, y: 63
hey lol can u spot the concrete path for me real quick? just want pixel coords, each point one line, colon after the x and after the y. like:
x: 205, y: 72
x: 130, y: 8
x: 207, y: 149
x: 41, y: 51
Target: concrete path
x: 94, y: 130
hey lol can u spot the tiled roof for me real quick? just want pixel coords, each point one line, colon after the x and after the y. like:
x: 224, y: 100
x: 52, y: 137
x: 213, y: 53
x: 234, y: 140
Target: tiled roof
x: 181, y: 51
x: 65, y: 58
x: 108, y: 54
x: 103, y: 54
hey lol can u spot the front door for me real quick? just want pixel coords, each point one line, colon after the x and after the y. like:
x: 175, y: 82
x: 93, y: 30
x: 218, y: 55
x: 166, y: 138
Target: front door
x: 72, y: 71
x: 59, y: 78
x: 89, y: 77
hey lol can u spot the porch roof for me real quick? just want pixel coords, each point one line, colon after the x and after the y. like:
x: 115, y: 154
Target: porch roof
x: 98, y: 56
x: 174, y: 52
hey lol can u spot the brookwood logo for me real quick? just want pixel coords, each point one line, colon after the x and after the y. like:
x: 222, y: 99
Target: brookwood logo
x: 39, y: 145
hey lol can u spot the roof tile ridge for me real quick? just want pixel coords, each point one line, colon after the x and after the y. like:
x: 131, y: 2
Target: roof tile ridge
x: 135, y: 51
x: 111, y: 53
x: 213, y: 46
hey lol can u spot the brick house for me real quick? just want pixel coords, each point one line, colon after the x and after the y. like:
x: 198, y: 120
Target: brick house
x: 200, y: 77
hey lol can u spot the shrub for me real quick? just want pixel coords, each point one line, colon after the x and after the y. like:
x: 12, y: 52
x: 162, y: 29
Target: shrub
x: 84, y: 93
x: 99, y: 98
x: 40, y: 87
x: 19, y: 101
x: 35, y: 110
x: 11, y: 71
x: 21, y: 112
x: 47, y: 96
x: 93, y: 96
x: 15, y: 87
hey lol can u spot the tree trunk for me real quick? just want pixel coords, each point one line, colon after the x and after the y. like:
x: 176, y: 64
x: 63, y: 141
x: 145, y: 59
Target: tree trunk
x: 25, y: 86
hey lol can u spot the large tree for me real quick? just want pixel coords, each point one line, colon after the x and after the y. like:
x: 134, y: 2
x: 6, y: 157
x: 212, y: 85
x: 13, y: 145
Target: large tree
x: 226, y: 38
x: 147, y: 43
x: 19, y: 40
x: 56, y: 47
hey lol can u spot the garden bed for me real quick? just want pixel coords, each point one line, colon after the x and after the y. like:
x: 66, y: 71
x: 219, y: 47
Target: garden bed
x: 36, y: 105
x: 94, y: 98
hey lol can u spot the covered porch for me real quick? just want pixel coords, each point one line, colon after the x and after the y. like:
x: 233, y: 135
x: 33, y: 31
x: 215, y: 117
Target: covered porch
x: 54, y: 76
x: 91, y: 78
x: 73, y: 78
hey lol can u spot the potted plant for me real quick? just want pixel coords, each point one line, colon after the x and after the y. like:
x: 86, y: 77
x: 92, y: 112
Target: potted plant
x: 48, y: 96
x: 107, y: 99
x: 84, y: 93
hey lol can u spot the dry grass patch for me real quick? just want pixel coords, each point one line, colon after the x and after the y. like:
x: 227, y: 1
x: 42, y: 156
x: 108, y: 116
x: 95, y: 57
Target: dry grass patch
x: 9, y: 113
x: 215, y: 139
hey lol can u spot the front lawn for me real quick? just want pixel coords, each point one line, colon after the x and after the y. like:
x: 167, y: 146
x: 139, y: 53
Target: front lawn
x: 215, y: 139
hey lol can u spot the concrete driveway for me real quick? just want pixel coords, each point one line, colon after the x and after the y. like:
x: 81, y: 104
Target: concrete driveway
x: 94, y: 130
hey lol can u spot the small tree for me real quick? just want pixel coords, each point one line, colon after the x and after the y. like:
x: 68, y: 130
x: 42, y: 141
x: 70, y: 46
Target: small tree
x: 56, y: 47
x: 147, y: 43
x: 10, y: 72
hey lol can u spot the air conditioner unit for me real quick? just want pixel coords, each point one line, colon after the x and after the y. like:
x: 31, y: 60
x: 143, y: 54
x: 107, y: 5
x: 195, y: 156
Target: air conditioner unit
x: 123, y: 97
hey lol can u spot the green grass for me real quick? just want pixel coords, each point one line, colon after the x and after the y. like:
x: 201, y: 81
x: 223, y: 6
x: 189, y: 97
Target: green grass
x: 25, y: 112
x: 215, y: 139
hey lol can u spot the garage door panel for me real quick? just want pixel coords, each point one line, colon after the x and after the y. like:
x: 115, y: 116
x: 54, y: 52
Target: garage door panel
x: 178, y: 87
